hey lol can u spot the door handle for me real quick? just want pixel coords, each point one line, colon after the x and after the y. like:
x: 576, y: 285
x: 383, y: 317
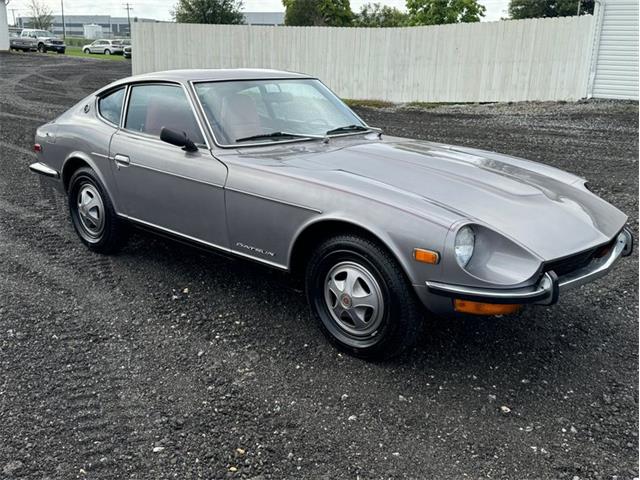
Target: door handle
x: 121, y: 161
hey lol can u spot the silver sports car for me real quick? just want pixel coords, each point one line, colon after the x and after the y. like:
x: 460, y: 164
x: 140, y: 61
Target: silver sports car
x: 273, y: 167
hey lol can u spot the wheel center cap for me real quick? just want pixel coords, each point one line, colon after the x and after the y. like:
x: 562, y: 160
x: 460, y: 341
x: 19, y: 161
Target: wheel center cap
x: 346, y: 301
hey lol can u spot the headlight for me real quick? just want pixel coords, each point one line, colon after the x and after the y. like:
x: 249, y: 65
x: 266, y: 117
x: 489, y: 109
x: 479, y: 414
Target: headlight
x: 465, y: 241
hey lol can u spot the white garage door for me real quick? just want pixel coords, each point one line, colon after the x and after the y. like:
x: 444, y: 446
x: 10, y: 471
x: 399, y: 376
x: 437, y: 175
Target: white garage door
x: 616, y: 63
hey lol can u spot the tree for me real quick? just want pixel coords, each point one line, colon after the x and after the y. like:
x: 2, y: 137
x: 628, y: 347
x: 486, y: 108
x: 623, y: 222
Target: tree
x: 436, y: 12
x: 519, y: 9
x: 376, y: 15
x: 41, y: 15
x: 331, y: 13
x: 208, y: 11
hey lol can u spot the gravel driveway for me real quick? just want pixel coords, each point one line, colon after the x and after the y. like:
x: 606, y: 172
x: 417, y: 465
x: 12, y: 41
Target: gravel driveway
x: 165, y: 362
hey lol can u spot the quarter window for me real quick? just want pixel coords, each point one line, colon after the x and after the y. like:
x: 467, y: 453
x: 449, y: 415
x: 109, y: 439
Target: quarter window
x: 110, y: 107
x: 152, y: 107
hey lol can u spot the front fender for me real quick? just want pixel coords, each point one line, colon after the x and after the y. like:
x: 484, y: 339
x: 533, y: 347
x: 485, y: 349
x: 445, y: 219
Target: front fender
x: 401, y: 237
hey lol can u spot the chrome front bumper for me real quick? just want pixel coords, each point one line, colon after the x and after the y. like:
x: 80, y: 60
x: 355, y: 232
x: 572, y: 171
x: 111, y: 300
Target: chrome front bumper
x: 548, y: 289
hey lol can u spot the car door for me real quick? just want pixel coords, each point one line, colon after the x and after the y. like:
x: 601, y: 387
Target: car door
x: 162, y: 185
x: 96, y: 47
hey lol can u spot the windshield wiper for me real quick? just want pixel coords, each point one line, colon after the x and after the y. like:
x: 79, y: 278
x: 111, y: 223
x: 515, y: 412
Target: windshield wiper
x: 277, y: 135
x: 348, y: 128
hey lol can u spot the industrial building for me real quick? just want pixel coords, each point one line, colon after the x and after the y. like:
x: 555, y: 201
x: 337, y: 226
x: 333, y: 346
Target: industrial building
x: 112, y: 27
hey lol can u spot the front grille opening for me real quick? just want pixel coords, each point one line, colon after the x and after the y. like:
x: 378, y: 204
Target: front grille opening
x: 579, y: 260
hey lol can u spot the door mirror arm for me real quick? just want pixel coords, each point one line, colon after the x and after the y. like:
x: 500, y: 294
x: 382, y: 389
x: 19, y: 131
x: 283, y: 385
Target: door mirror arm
x: 179, y: 139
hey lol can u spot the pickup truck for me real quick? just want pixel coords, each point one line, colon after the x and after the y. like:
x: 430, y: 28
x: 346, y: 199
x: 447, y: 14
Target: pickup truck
x: 45, y: 41
x: 26, y: 44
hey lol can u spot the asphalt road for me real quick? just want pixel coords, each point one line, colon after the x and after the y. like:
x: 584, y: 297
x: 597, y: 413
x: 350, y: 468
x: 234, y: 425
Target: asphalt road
x: 164, y: 362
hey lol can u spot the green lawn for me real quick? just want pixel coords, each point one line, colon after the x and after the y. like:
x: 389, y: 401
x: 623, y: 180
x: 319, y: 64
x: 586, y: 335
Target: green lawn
x: 77, y: 52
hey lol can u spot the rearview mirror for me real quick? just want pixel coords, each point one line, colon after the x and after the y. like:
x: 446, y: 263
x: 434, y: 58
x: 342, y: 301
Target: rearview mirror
x: 179, y: 139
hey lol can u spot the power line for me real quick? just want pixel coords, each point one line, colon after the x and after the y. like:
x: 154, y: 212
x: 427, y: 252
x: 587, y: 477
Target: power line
x: 129, y: 8
x: 64, y: 30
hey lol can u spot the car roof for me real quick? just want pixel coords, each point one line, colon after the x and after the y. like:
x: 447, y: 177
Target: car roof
x: 206, y: 75
x: 201, y: 75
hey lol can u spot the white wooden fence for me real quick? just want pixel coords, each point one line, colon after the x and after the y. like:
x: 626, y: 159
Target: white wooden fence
x: 538, y: 59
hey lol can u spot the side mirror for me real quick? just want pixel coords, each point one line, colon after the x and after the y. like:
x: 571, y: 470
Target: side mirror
x: 179, y: 139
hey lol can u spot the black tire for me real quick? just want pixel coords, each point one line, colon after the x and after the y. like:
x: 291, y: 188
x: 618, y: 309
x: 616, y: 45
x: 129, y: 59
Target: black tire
x: 41, y: 48
x: 86, y: 51
x: 396, y: 328
x: 107, y: 51
x: 113, y: 233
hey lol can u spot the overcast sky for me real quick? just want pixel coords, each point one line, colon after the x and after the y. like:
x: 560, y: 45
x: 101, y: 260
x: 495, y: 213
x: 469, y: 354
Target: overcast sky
x: 159, y: 9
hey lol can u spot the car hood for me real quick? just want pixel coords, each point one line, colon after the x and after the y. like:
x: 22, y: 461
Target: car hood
x: 546, y: 210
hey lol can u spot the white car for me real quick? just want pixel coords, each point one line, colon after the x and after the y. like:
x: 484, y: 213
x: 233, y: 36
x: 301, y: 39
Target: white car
x: 106, y: 47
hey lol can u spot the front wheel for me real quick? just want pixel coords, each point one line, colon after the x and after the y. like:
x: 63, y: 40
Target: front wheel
x: 107, y: 52
x: 86, y: 51
x: 361, y: 298
x: 41, y: 48
x: 92, y: 214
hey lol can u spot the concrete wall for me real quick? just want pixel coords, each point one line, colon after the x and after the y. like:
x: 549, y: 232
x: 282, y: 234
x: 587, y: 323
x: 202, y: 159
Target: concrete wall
x: 538, y: 59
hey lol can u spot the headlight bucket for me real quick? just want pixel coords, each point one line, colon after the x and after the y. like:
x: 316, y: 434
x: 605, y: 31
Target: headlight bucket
x: 486, y: 257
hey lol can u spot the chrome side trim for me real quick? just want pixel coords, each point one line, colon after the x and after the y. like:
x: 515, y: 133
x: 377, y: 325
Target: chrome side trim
x: 101, y: 155
x: 44, y: 169
x: 276, y: 200
x: 131, y: 164
x: 204, y: 242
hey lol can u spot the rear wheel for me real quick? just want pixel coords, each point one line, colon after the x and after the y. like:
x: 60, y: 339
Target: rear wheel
x: 92, y: 214
x: 361, y: 298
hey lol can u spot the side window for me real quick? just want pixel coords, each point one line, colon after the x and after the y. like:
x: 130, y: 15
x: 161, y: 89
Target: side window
x: 110, y: 107
x: 152, y: 107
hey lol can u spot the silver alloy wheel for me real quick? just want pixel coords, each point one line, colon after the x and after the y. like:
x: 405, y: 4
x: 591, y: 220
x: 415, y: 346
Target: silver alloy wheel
x: 90, y: 210
x: 354, y: 298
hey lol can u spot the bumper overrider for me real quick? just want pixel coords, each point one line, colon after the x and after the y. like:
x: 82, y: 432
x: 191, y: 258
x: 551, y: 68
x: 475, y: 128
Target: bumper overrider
x: 545, y: 292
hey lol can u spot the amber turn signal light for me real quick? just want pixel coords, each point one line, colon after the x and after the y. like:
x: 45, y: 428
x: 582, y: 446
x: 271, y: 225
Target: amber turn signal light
x: 426, y: 256
x: 479, y: 308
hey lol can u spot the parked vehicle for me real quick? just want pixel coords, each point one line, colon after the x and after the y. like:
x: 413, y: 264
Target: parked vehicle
x: 26, y: 44
x: 106, y: 47
x: 273, y: 167
x: 126, y: 52
x: 45, y: 41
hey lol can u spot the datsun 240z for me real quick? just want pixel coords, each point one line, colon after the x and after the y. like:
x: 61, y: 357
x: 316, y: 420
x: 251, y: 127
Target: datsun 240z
x: 273, y: 167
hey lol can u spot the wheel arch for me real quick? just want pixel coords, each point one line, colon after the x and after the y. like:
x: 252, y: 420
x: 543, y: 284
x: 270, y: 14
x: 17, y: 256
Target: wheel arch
x: 76, y: 160
x: 312, y: 234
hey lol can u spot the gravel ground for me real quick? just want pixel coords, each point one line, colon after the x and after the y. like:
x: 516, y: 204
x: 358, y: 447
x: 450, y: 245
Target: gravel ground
x: 164, y: 362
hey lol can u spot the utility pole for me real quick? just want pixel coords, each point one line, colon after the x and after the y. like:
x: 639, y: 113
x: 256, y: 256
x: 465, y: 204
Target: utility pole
x: 13, y: 12
x: 64, y: 30
x: 129, y: 8
x: 579, y: 2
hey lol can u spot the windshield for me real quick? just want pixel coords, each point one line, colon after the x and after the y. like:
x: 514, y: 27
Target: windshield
x: 43, y: 33
x: 259, y: 111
